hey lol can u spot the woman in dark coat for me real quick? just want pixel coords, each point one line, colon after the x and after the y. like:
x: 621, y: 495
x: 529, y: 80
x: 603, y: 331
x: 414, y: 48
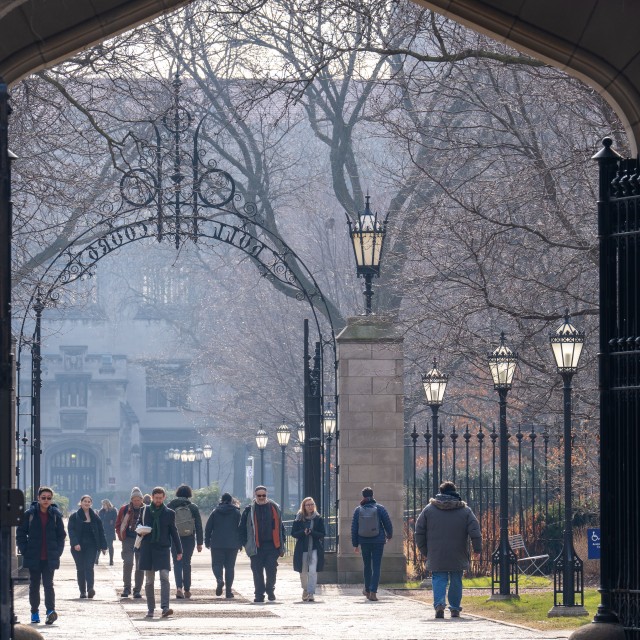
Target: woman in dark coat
x: 221, y: 535
x: 308, y: 555
x: 108, y: 515
x: 86, y: 537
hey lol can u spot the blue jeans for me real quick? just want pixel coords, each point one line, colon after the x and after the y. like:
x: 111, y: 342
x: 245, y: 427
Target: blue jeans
x: 372, y: 558
x: 439, y: 581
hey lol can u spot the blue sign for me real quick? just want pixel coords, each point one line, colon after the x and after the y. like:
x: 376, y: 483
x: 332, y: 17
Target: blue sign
x: 593, y: 540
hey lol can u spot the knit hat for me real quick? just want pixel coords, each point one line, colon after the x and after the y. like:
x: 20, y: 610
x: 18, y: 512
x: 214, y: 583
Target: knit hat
x: 136, y: 493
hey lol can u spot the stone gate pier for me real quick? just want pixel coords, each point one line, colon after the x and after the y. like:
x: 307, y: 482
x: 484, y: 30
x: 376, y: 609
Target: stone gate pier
x: 371, y: 443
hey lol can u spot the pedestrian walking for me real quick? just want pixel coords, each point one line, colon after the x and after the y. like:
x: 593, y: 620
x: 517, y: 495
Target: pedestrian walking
x: 126, y: 523
x: 40, y: 539
x: 222, y: 536
x: 371, y: 528
x: 443, y: 530
x: 157, y: 528
x: 108, y: 514
x: 308, y: 554
x: 146, y: 499
x: 86, y: 537
x: 189, y: 526
x: 263, y: 537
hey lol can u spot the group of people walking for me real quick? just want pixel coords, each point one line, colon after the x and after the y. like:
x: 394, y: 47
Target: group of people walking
x: 155, y: 533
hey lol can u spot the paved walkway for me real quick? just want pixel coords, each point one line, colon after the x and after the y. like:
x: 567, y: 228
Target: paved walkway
x: 340, y: 612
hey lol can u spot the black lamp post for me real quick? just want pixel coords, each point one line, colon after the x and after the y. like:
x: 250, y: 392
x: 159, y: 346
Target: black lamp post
x: 567, y: 343
x: 184, y: 458
x: 261, y: 442
x: 207, y: 451
x: 283, y: 433
x: 297, y: 448
x: 435, y: 385
x: 177, y: 456
x: 199, y: 456
x: 301, y: 439
x: 168, y: 457
x: 329, y: 428
x: 367, y: 236
x: 504, y: 564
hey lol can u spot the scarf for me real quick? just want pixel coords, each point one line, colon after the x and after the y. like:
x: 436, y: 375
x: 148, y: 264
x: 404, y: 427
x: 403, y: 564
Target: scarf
x: 155, y: 521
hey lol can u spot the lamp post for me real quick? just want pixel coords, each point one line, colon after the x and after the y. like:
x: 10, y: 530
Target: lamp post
x: 261, y: 442
x: 24, y: 440
x: 504, y: 564
x: 177, y: 454
x: 566, y: 344
x: 283, y: 433
x: 297, y: 448
x: 367, y: 236
x: 207, y: 451
x: 301, y: 438
x: 329, y: 428
x: 435, y: 385
x: 167, y: 458
x: 184, y: 457
x: 199, y: 456
x: 191, y: 458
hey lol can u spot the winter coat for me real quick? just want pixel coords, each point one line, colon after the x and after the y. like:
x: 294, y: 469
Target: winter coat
x: 317, y: 534
x: 155, y: 556
x: 386, y: 528
x: 442, y: 533
x: 122, y: 514
x: 29, y: 536
x: 76, y: 522
x: 247, y: 529
x: 222, y: 531
x: 108, y: 517
x: 195, y: 512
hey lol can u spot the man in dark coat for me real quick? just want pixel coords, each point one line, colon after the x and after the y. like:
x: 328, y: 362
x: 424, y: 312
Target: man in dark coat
x: 221, y: 535
x: 443, y: 530
x: 158, y: 532
x: 40, y: 539
x: 263, y: 537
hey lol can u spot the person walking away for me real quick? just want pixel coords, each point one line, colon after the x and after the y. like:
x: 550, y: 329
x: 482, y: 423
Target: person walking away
x: 263, y: 537
x: 222, y: 536
x: 108, y: 514
x: 146, y: 499
x: 442, y: 533
x: 189, y: 525
x: 371, y: 528
x: 157, y: 526
x: 308, y: 554
x: 126, y: 523
x: 40, y: 539
x: 86, y: 537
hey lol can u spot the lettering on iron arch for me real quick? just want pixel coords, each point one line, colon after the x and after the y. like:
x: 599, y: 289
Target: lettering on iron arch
x: 237, y: 237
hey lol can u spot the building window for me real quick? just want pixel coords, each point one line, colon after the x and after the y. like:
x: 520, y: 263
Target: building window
x: 73, y: 392
x: 167, y: 386
x: 165, y: 285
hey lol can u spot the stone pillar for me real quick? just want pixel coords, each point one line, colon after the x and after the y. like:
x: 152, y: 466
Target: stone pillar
x: 371, y: 442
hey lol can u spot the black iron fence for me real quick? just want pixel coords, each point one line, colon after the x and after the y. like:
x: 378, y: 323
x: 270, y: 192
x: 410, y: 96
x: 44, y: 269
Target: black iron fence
x: 469, y: 456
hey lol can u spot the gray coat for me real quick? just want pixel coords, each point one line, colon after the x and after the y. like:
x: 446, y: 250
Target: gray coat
x: 442, y: 533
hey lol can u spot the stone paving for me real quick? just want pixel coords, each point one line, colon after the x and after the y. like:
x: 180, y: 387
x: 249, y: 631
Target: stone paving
x: 338, y: 612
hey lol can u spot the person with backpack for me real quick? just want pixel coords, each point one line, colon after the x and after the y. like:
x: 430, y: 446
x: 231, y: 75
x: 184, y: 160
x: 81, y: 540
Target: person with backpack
x: 370, y: 529
x: 86, y: 537
x: 443, y: 531
x: 40, y: 539
x: 158, y: 532
x: 189, y: 526
x: 308, y: 554
x: 126, y: 531
x: 221, y: 535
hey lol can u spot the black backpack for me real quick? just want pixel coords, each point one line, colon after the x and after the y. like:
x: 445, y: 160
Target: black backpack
x: 368, y: 522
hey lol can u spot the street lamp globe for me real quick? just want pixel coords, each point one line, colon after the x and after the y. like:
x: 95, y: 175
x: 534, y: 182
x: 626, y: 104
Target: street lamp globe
x: 301, y: 433
x: 502, y: 365
x: 566, y: 343
x: 329, y: 423
x: 207, y: 451
x: 168, y: 454
x: 184, y: 455
x: 191, y: 455
x: 199, y: 454
x: 176, y: 454
x: 261, y: 439
x: 435, y: 385
x: 367, y: 237
x: 283, y: 433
